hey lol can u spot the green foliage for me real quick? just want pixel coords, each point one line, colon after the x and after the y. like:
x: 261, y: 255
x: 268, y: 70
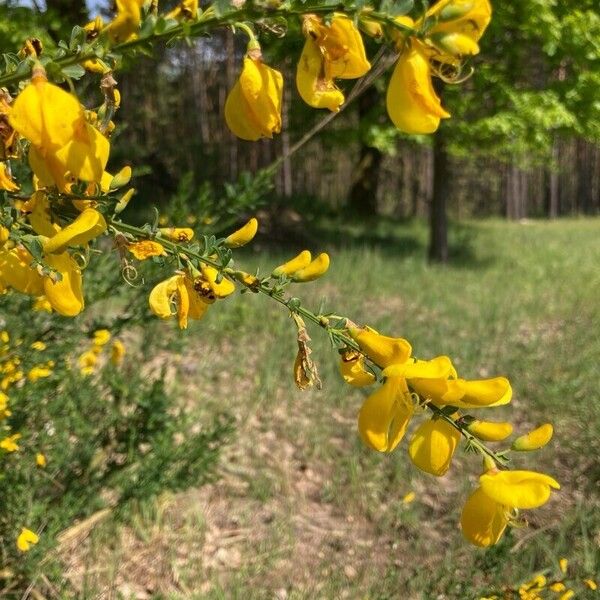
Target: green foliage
x: 111, y: 440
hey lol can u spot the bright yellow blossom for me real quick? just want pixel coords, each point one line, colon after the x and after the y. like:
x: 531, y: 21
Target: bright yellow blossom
x: 40, y: 460
x: 26, y: 539
x: 253, y: 106
x: 563, y: 565
x: 177, y: 234
x: 382, y: 350
x: 117, y: 352
x: 10, y: 443
x: 483, y: 520
x: 433, y: 445
x: 89, y: 224
x: 101, y: 337
x: 66, y: 295
x: 518, y: 489
x: 39, y: 372
x: 125, y: 25
x: 87, y: 362
x: 412, y: 104
x: 185, y: 10
x: 352, y: 368
x: 222, y: 288
x: 38, y: 345
x: 590, y: 584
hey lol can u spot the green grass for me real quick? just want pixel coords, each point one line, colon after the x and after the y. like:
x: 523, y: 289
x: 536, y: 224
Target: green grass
x: 302, y: 510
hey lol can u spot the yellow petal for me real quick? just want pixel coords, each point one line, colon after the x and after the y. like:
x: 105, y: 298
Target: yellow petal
x: 313, y: 86
x: 243, y: 235
x: 238, y: 116
x: 352, y: 368
x: 300, y: 261
x: 343, y: 49
x: 467, y: 17
x: 317, y: 268
x: 518, y: 489
x: 177, y: 234
x: 433, y: 445
x: 65, y: 296
x: 464, y: 394
x: 198, y: 306
x: 15, y: 271
x: 382, y: 350
x: 161, y: 297
x: 222, y: 289
x: 262, y: 88
x: 183, y: 303
x: 439, y: 367
x: 483, y: 521
x: 88, y: 225
x: 385, y: 414
x: 534, y: 440
x: 490, y: 431
x: 38, y: 215
x: 6, y: 182
x: 412, y: 104
x: 117, y: 352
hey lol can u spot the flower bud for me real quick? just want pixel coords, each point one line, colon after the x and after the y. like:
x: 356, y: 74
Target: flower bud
x: 177, y: 234
x: 243, y: 235
x: 300, y: 261
x: 534, y: 440
x: 317, y: 268
x: 455, y: 10
x: 456, y: 44
x: 124, y: 201
x: 121, y: 179
x: 490, y: 431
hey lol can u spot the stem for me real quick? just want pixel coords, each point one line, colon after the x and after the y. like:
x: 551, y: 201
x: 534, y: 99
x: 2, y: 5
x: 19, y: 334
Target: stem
x: 319, y: 320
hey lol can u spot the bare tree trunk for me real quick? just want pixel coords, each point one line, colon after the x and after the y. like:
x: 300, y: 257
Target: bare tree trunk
x: 554, y: 183
x: 438, y: 219
x: 362, y: 198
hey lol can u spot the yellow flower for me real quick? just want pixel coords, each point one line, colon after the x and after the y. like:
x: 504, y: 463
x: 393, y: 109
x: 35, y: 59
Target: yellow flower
x: 490, y: 431
x: 37, y: 209
x: 253, y: 106
x: 483, y: 520
x: 185, y: 10
x: 352, y: 368
x: 38, y: 345
x: 459, y: 25
x: 180, y: 290
x: 16, y: 272
x: 412, y: 104
x: 10, y: 443
x: 433, y: 445
x: 127, y: 22
x: 65, y: 296
x: 101, y: 337
x: 464, y: 394
x: 26, y: 539
x: 146, y: 249
x: 559, y: 586
x: 88, y: 225
x: 39, y: 372
x: 563, y: 564
x: 62, y: 142
x: 220, y: 289
x: 300, y: 261
x: 518, y: 489
x: 243, y: 235
x: 534, y: 440
x: 409, y: 498
x: 42, y: 304
x: 590, y: 584
x: 87, y: 362
x: 117, y: 353
x: 40, y: 460
x: 334, y: 51
x: 177, y: 234
x: 6, y: 182
x: 317, y: 268
x: 382, y: 350
x: 385, y: 414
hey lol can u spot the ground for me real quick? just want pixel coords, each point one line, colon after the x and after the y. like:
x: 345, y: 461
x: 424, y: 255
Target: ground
x: 301, y: 510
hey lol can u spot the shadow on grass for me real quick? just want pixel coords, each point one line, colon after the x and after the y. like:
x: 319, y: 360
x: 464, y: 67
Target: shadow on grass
x: 396, y: 239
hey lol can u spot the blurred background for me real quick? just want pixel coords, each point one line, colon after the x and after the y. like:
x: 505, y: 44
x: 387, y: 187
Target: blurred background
x: 481, y: 241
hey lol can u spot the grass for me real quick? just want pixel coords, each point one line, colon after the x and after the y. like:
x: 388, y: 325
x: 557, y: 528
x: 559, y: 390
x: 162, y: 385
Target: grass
x: 302, y: 510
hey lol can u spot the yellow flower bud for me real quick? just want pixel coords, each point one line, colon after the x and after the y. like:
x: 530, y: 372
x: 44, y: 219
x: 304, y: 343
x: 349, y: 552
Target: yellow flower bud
x: 6, y: 182
x: 88, y: 225
x: 40, y: 460
x: 534, y: 440
x: 121, y: 179
x: 243, y: 235
x: 300, y: 261
x: 456, y: 44
x: 177, y: 234
x: 317, y: 268
x: 117, y: 352
x: 124, y: 201
x: 490, y: 431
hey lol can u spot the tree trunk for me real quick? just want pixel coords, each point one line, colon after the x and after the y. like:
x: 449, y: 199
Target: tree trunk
x: 438, y: 219
x: 362, y: 199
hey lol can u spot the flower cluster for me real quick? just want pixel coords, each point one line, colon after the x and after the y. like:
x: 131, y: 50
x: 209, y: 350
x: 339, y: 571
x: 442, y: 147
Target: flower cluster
x: 411, y: 385
x: 88, y: 360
